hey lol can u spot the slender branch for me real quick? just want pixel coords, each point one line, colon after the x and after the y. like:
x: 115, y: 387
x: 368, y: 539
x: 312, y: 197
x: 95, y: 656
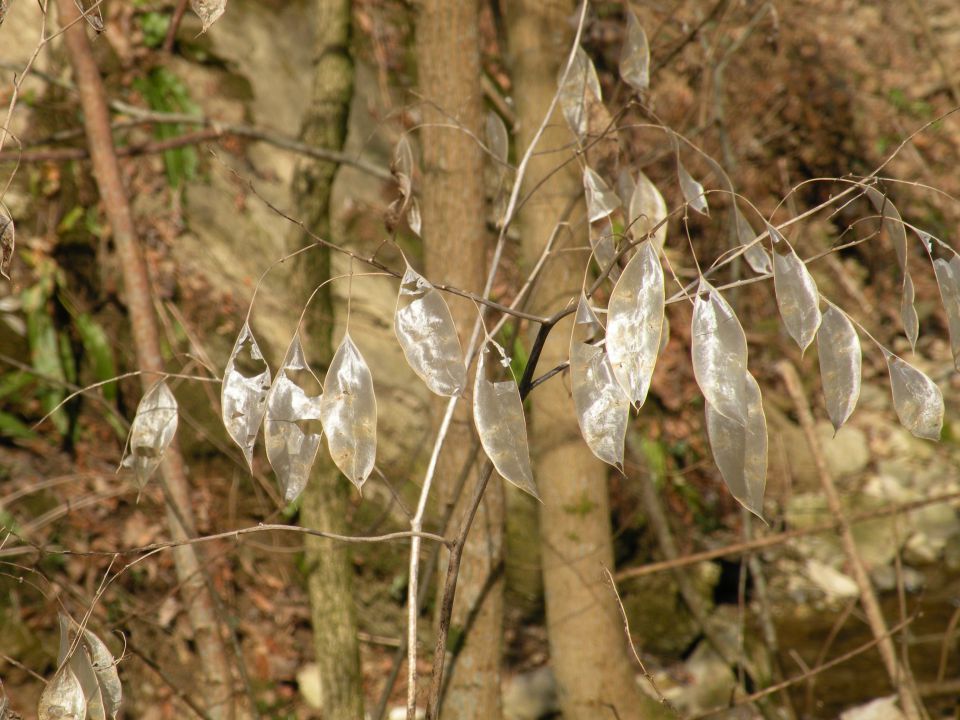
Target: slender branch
x: 898, y: 674
x: 93, y: 100
x: 839, y: 660
x: 175, y: 21
x: 215, y: 129
x: 227, y: 535
x: 761, y: 543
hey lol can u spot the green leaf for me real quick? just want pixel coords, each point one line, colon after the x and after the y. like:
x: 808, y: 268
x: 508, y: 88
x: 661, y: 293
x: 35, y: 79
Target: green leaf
x: 165, y: 92
x: 13, y: 382
x: 12, y: 427
x: 154, y: 26
x: 98, y: 350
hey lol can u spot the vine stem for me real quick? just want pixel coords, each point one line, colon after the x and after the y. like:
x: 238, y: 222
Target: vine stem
x: 417, y: 522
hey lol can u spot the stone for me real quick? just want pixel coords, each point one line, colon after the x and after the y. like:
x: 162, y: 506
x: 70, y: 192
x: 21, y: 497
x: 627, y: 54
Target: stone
x: 531, y: 696
x: 308, y: 680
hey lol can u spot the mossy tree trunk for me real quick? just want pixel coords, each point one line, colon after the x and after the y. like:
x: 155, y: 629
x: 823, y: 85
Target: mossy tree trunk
x: 325, y: 500
x: 587, y: 644
x: 456, y: 240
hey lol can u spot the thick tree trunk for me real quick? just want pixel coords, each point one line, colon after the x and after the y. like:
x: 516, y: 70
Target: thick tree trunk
x: 326, y: 495
x: 197, y: 596
x: 587, y: 644
x: 454, y: 232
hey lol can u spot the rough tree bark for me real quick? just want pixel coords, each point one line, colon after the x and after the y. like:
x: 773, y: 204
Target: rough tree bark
x: 454, y: 233
x: 198, y: 598
x: 587, y: 644
x: 326, y: 495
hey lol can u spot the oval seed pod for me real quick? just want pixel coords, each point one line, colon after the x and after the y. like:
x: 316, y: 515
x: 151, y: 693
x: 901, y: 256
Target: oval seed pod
x: 908, y: 311
x: 757, y: 257
x: 604, y: 246
x: 601, y: 200
x: 719, y: 353
x: 348, y: 411
x: 635, y: 55
x: 892, y: 223
x: 62, y: 699
x: 7, y: 240
x: 428, y: 336
x: 498, y: 415
x: 209, y: 11
x: 292, y: 427
x: 498, y: 139
x: 635, y: 323
x: 740, y: 451
x: 105, y: 668
x: 797, y: 296
x: 916, y: 398
x: 82, y: 667
x: 840, y: 359
x: 647, y: 211
x: 152, y: 431
x: 243, y: 395
x: 625, y: 187
x: 602, y: 408
x: 948, y: 280
x: 578, y: 91
x: 692, y: 190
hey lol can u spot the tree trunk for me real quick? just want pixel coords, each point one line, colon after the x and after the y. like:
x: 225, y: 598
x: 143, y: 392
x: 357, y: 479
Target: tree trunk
x: 454, y: 233
x: 325, y: 499
x: 587, y: 645
x: 197, y: 595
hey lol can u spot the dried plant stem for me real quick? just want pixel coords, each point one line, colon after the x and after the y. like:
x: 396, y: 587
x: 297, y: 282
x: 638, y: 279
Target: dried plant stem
x: 868, y: 599
x: 781, y: 538
x: 661, y: 528
x: 202, y: 613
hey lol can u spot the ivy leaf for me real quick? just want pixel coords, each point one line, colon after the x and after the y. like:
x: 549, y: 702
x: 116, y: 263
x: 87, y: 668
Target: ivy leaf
x: 209, y: 11
x: 635, y: 55
x: 243, y: 395
x: 602, y: 408
x: 719, y: 352
x: 349, y: 413
x: 840, y: 359
x: 740, y: 451
x: 601, y: 200
x: 292, y: 429
x: 498, y: 415
x: 152, y: 431
x: 692, y: 190
x: 428, y: 336
x: 797, y: 296
x: 916, y: 398
x: 647, y: 210
x: 635, y: 317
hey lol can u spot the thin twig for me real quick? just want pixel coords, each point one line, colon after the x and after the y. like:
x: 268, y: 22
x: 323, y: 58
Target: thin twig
x: 781, y: 538
x: 908, y: 699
